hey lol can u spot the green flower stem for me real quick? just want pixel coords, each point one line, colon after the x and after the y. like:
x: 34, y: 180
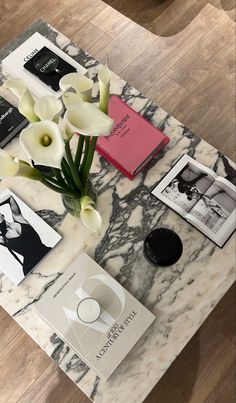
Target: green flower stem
x: 73, y: 170
x: 79, y: 151
x: 64, y: 186
x: 88, y: 162
x: 57, y: 189
x: 57, y: 174
x: 87, y: 141
x: 104, y: 98
x: 50, y: 179
x: 67, y: 174
x: 57, y: 184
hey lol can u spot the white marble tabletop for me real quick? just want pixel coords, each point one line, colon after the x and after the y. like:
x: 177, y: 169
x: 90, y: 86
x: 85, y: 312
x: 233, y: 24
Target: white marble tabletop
x: 181, y: 296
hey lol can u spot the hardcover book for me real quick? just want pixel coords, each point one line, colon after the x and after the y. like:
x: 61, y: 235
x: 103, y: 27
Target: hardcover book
x: 50, y: 64
x: 204, y: 199
x: 11, y: 121
x: 105, y: 342
x: 25, y: 239
x: 133, y: 141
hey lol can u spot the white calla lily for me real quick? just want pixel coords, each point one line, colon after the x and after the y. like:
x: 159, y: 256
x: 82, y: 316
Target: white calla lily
x: 66, y: 131
x: 48, y: 107
x: 8, y: 165
x: 104, y: 78
x: 26, y: 100
x: 11, y: 166
x: 43, y: 143
x: 26, y: 107
x: 81, y: 84
x: 87, y: 119
x: 70, y: 98
x: 89, y: 216
x: 16, y: 85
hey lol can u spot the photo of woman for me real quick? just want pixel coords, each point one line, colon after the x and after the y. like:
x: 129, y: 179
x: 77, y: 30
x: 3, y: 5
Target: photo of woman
x: 188, y: 186
x: 20, y: 244
x: 204, y: 198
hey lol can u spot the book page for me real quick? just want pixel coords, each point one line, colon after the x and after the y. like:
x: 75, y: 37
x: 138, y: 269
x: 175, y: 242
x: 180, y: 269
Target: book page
x: 103, y: 343
x: 184, y: 185
x: 214, y: 213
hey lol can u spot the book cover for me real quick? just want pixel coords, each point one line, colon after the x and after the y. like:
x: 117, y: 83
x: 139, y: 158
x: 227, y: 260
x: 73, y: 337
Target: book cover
x: 105, y: 342
x: 25, y: 239
x: 14, y: 63
x: 204, y: 199
x: 133, y: 141
x: 11, y: 121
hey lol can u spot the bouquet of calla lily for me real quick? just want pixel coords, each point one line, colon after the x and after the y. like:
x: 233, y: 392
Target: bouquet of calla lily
x: 46, y: 141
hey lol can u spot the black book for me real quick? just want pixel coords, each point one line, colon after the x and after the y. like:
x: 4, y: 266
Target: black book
x: 11, y: 121
x: 49, y: 67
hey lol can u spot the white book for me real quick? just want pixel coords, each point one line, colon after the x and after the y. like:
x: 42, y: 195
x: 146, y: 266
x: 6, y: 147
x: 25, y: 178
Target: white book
x: 203, y: 198
x: 13, y: 64
x: 103, y: 343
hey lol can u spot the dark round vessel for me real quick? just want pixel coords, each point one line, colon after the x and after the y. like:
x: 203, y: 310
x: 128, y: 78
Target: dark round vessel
x: 162, y: 247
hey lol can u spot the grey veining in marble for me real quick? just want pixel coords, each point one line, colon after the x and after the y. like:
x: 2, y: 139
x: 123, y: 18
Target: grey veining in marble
x: 181, y: 296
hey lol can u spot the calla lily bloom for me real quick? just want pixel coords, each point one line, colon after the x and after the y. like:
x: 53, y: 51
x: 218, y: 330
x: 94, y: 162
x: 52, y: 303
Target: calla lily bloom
x: 48, y: 108
x: 66, y: 131
x: 70, y: 98
x: 104, y: 77
x: 43, y: 143
x: 89, y: 216
x: 10, y: 166
x: 81, y: 86
x: 87, y: 119
x: 26, y: 100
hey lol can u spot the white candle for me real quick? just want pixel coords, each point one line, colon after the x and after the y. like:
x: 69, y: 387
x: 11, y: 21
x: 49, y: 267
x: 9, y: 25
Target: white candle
x: 88, y: 310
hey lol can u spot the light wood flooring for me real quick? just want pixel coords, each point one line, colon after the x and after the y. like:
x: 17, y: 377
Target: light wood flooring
x: 184, y: 60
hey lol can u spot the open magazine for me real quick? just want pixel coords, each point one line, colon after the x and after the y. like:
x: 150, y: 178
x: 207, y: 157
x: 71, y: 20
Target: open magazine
x: 200, y: 196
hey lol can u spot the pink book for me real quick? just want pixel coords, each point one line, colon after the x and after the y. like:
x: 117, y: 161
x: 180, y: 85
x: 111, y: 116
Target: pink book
x: 133, y: 141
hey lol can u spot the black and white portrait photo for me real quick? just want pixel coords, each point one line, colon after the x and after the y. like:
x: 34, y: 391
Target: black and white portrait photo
x: 216, y: 205
x: 25, y: 239
x: 188, y: 186
x: 203, y: 198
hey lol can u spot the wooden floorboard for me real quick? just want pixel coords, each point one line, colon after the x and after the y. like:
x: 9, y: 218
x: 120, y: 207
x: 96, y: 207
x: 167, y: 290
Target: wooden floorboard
x: 185, y: 62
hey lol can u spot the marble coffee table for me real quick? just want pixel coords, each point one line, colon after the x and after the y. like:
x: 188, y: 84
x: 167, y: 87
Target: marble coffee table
x: 181, y: 296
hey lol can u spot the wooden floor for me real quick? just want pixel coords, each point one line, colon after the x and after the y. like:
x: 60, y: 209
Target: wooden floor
x: 185, y: 63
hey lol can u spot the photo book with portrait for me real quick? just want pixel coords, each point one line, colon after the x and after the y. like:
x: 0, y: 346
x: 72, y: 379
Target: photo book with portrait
x: 25, y: 239
x: 101, y: 341
x: 204, y: 199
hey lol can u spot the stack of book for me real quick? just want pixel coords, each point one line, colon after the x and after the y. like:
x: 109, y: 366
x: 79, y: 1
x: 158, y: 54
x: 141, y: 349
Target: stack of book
x: 41, y: 64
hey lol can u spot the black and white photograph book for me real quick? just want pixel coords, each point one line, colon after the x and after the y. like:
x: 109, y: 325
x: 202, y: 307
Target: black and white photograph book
x: 25, y: 239
x: 204, y: 199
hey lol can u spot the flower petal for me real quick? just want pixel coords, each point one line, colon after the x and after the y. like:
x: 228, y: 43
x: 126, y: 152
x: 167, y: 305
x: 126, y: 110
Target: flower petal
x: 32, y: 140
x: 104, y: 77
x: 16, y: 85
x: 80, y: 83
x: 88, y: 120
x: 26, y: 100
x: 86, y: 201
x: 8, y: 165
x: 26, y: 106
x: 91, y: 219
x: 48, y: 107
x: 66, y: 131
x: 70, y: 98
